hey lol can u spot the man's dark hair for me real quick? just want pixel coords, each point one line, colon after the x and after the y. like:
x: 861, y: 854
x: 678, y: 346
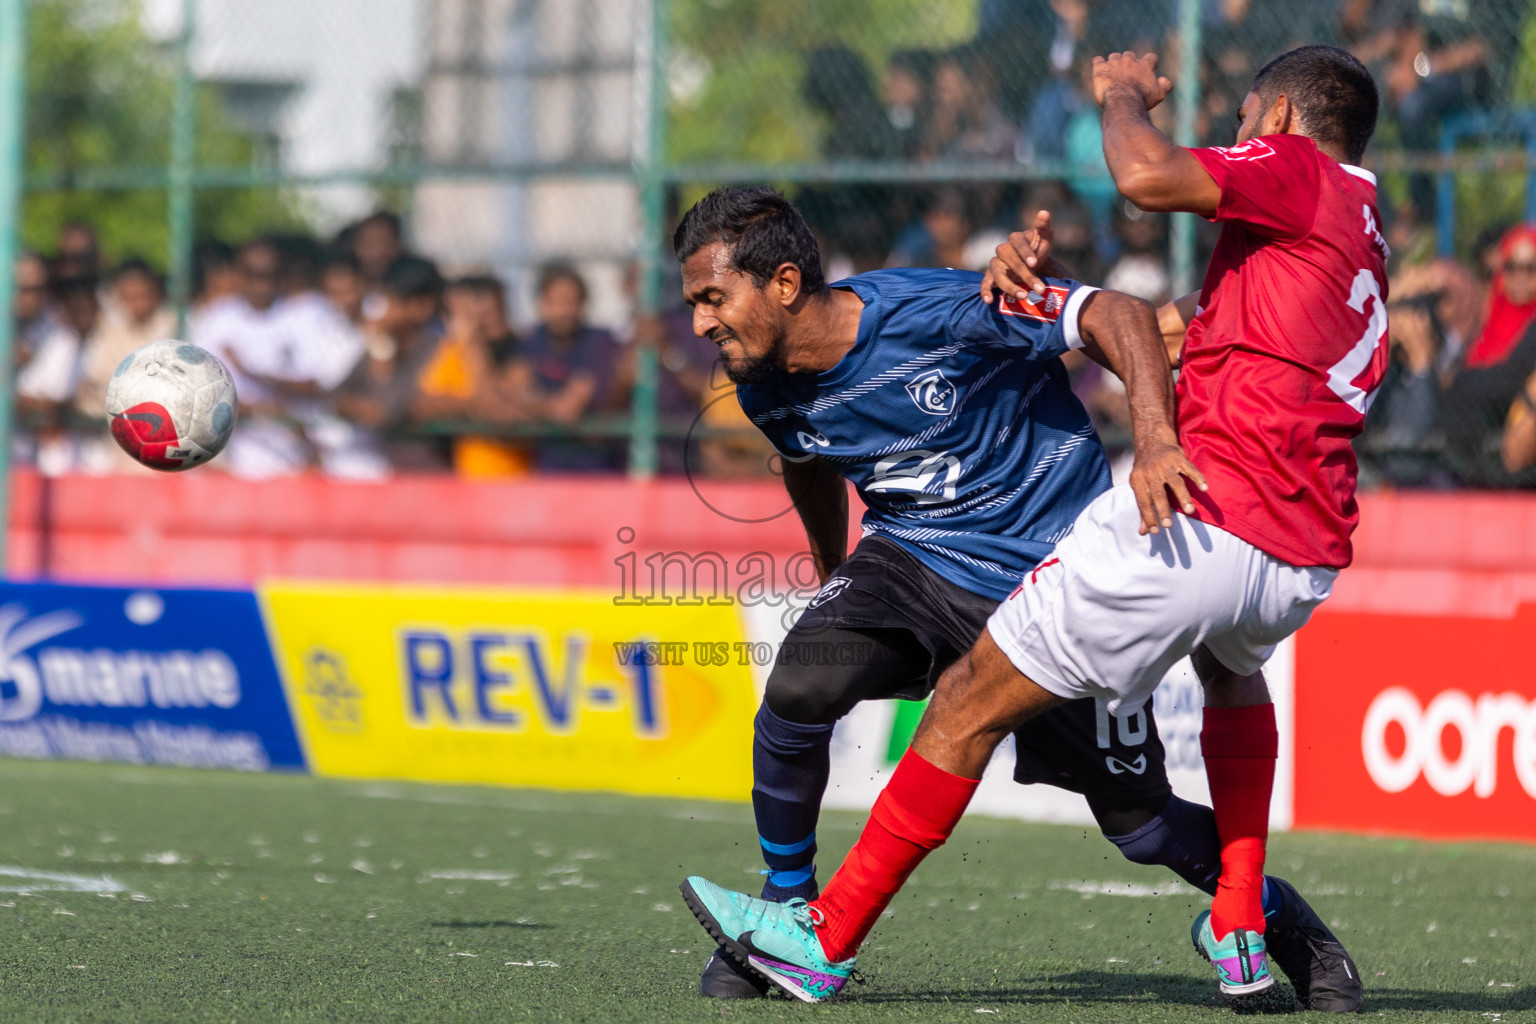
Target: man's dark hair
x: 411, y: 277
x: 138, y: 266
x: 550, y: 273
x: 487, y: 284
x: 761, y: 229
x: 388, y: 218
x: 1333, y: 93
x: 341, y: 259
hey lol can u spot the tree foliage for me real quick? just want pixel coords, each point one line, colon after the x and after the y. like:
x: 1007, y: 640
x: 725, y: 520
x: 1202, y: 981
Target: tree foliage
x: 737, y: 66
x: 100, y: 95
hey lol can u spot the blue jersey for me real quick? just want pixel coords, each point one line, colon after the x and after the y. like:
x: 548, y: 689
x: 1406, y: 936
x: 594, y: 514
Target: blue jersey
x: 953, y: 419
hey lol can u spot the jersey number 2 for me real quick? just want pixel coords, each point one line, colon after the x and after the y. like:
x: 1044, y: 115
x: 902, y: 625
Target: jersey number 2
x: 1343, y: 374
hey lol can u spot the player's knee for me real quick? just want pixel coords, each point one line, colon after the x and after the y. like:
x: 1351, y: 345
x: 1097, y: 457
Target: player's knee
x: 803, y: 697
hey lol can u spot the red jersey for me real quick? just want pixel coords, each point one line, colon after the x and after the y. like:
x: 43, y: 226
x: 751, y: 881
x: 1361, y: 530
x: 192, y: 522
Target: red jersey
x: 1287, y: 349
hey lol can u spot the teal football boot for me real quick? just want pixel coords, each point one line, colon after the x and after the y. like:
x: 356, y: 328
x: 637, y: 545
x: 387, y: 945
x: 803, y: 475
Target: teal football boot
x: 777, y: 940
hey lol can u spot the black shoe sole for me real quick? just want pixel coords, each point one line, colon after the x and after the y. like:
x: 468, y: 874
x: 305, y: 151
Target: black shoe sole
x: 734, y: 949
x: 724, y: 979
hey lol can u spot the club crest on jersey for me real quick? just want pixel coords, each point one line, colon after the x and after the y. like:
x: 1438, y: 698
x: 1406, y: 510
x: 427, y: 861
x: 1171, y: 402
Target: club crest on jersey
x: 1253, y: 149
x: 1045, y: 306
x: 933, y: 393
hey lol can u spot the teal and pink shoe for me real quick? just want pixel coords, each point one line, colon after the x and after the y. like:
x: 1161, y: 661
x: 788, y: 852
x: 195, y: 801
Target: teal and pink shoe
x: 777, y: 940
x: 1242, y: 968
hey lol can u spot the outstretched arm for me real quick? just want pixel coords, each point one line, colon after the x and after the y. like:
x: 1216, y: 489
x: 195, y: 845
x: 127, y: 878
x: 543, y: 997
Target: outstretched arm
x: 1148, y: 169
x: 1121, y: 332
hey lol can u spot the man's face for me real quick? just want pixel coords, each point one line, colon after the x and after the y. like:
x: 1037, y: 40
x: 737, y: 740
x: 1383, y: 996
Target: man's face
x: 138, y: 295
x: 405, y: 316
x: 31, y: 289
x: 1250, y: 118
x: 1520, y: 273
x: 731, y: 310
x: 376, y: 247
x: 258, y: 276
x: 562, y: 307
x: 346, y: 290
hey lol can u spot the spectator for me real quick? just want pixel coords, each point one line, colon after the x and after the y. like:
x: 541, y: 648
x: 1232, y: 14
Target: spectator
x: 79, y: 252
x: 462, y: 381
x: 247, y: 331
x: 377, y: 241
x: 344, y: 287
x: 965, y: 122
x: 1044, y: 138
x: 904, y: 91
x: 1435, y: 61
x: 136, y: 316
x: 1476, y: 403
x: 837, y: 83
x: 939, y: 238
x: 1142, y: 269
x: 565, y: 371
x: 215, y: 275
x: 381, y: 392
x: 45, y: 385
x: 686, y: 379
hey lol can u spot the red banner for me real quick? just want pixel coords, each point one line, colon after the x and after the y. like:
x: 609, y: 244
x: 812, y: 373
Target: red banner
x: 1417, y: 725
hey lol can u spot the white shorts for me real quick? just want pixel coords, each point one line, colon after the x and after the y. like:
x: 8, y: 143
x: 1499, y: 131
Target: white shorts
x: 1110, y: 612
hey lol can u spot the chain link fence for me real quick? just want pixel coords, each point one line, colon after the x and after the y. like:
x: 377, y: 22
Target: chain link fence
x: 277, y: 157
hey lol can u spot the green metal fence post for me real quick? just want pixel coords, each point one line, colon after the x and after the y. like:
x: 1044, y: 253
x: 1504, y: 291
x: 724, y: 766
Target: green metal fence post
x: 183, y: 158
x: 1182, y: 240
x: 13, y: 150
x: 653, y: 199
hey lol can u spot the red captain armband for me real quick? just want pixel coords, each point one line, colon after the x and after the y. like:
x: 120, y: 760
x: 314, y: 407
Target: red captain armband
x: 1047, y: 308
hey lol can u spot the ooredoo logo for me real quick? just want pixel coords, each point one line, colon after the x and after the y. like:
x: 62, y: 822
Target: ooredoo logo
x: 1425, y: 751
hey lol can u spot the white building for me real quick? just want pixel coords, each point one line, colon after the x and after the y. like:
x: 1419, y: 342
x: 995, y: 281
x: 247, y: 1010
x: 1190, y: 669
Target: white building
x: 337, y: 86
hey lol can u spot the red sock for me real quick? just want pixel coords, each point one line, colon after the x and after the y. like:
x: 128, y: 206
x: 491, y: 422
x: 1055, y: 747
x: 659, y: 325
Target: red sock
x: 1240, y: 746
x: 916, y: 812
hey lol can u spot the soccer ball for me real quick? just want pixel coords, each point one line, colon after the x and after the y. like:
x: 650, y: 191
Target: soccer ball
x: 171, y: 405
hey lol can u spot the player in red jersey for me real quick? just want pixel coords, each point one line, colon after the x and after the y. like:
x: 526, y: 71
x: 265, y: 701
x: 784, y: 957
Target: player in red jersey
x: 1282, y: 349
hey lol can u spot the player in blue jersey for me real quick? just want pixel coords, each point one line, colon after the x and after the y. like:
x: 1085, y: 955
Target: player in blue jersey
x: 953, y: 419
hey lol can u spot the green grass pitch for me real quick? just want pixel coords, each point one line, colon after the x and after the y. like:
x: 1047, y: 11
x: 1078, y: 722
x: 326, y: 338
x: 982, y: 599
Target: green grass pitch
x: 136, y: 894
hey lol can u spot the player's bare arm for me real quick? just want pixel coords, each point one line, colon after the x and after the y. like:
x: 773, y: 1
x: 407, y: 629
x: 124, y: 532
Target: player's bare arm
x: 1173, y: 321
x: 1021, y: 262
x: 1120, y: 332
x: 1149, y: 169
x: 820, y: 496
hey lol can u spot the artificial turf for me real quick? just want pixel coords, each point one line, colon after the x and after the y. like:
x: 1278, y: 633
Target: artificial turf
x: 224, y: 897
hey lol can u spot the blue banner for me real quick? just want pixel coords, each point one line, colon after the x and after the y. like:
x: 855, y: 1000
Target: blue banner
x: 178, y: 677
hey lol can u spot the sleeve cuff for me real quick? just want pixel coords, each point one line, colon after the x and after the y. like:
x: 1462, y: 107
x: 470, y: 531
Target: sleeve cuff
x: 1069, y: 316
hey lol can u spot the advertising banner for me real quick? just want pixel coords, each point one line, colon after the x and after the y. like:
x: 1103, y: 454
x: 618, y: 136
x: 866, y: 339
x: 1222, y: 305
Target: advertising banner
x: 1417, y: 725
x: 179, y: 677
x: 557, y: 689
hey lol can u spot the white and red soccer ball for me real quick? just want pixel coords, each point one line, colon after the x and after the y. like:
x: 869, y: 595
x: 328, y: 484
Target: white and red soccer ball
x: 171, y: 405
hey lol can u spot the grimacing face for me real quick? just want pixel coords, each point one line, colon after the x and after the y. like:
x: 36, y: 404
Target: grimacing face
x: 734, y: 312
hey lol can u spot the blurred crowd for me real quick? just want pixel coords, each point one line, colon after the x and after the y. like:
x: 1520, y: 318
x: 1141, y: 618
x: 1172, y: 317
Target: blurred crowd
x: 358, y: 359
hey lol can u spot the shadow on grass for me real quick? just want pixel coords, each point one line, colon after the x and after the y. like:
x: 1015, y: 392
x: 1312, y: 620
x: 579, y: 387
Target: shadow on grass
x: 526, y: 925
x: 1151, y: 989
x: 1076, y: 986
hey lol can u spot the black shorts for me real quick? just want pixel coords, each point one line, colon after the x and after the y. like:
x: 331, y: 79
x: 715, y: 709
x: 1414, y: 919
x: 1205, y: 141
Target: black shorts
x: 1077, y: 746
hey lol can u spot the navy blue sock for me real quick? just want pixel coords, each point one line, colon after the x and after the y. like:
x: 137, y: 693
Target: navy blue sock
x: 790, y: 765
x: 1183, y: 839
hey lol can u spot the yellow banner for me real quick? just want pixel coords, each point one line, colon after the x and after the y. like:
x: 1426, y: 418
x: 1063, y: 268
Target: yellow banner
x: 555, y: 689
